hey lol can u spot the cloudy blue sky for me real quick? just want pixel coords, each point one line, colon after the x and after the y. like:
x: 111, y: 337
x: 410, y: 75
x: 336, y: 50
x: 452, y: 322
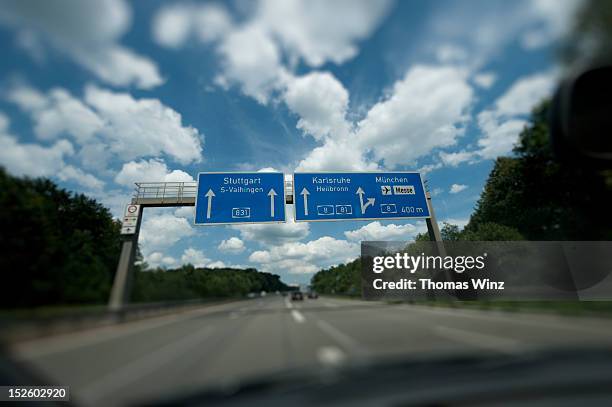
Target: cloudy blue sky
x: 99, y: 94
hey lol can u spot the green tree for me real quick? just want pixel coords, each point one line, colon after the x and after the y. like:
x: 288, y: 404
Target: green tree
x: 493, y: 232
x: 540, y: 197
x: 56, y: 247
x: 189, y: 282
x: 448, y: 232
x: 341, y: 279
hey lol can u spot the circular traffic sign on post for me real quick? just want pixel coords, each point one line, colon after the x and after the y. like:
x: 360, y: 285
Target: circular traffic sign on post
x: 131, y: 210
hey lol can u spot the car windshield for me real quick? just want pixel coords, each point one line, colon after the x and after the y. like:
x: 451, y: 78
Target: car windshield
x: 251, y: 201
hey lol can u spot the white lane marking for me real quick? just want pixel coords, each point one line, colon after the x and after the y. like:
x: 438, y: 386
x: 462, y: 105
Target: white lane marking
x: 343, y: 339
x: 297, y: 316
x: 288, y: 304
x: 139, y: 368
x: 493, y: 342
x: 330, y: 355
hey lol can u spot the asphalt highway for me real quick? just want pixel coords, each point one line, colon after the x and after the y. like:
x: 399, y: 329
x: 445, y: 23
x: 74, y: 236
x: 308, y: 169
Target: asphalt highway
x: 236, y: 341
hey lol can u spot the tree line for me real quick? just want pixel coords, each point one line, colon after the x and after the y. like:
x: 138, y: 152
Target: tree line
x: 189, y: 282
x: 56, y: 247
x: 527, y: 196
x: 59, y: 247
x: 342, y: 279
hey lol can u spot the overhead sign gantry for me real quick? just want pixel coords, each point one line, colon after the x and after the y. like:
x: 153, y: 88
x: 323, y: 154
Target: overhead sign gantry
x: 259, y: 197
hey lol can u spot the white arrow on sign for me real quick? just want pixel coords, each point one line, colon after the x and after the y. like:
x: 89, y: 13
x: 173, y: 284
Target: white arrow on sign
x: 272, y: 194
x: 360, y: 192
x: 305, y: 194
x: 209, y: 195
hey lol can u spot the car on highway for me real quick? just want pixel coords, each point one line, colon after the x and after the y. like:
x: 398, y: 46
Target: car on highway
x: 312, y: 295
x: 297, y: 296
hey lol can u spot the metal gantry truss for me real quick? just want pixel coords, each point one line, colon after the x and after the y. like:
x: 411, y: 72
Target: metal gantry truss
x: 160, y: 194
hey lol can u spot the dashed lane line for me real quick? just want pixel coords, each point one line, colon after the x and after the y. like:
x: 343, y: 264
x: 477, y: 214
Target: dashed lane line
x: 297, y: 316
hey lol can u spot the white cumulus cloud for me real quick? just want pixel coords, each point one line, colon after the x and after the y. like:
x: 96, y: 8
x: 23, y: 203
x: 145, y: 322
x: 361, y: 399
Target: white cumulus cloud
x: 485, y: 79
x: 275, y: 233
x: 36, y: 160
x: 187, y: 212
x: 251, y: 58
x: 153, y: 170
x: 106, y: 123
x: 309, y: 257
x: 57, y: 113
x: 163, y: 231
x: 198, y: 259
x: 321, y: 102
x: 378, y: 231
x: 158, y: 259
x: 453, y: 159
x: 88, y: 32
x: 525, y: 93
x: 138, y: 127
x: 71, y: 173
x: 231, y: 245
x: 33, y: 159
x: 460, y: 222
x: 195, y: 257
x: 424, y: 111
x: 254, y: 49
x: 175, y: 24
x: 456, y: 188
x: 337, y: 155
x: 313, y: 31
x: 499, y: 135
x: 502, y: 123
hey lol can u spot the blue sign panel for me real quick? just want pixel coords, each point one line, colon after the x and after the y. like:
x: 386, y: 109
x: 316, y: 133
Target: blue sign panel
x: 358, y: 195
x: 240, y: 197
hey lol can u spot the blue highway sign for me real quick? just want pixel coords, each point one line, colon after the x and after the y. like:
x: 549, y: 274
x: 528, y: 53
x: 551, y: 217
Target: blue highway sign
x: 240, y: 197
x: 358, y: 195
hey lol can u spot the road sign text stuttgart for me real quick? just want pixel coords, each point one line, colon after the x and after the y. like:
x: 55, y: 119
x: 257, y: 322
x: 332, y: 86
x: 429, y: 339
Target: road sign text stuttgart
x: 359, y: 195
x: 240, y: 197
